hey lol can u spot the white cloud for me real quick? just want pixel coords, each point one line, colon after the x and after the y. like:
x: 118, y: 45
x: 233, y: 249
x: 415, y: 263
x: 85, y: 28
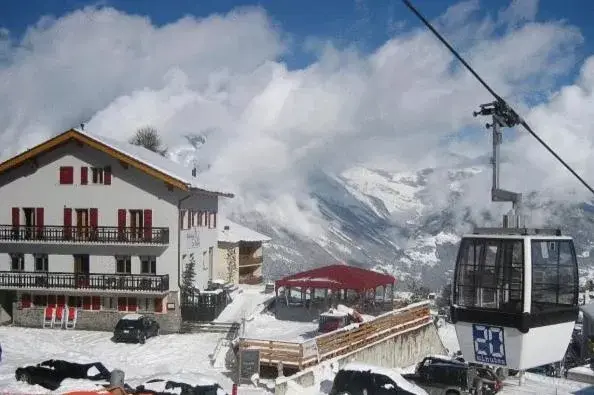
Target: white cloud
x: 269, y: 126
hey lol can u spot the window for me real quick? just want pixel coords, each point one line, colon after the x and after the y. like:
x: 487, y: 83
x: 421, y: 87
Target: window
x: 123, y: 264
x: 127, y: 304
x: 40, y: 300
x: 66, y: 175
x: 17, y: 262
x: 41, y: 262
x: 97, y: 175
x: 75, y: 301
x: 136, y: 223
x: 146, y: 304
x: 148, y: 265
x: 554, y: 274
x: 490, y: 274
x: 109, y: 303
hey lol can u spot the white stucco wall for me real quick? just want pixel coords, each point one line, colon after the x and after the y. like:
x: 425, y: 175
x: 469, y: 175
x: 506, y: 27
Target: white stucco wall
x: 129, y: 189
x: 221, y: 266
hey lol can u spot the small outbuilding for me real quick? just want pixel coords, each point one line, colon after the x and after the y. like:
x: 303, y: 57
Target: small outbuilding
x: 303, y: 296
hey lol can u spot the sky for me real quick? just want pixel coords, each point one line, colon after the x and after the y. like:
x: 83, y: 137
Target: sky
x: 283, y: 89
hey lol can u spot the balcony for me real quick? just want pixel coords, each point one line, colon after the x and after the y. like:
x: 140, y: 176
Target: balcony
x: 250, y: 260
x: 84, y: 281
x: 75, y: 234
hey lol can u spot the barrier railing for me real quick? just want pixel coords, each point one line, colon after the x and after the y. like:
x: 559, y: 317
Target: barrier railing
x: 329, y: 345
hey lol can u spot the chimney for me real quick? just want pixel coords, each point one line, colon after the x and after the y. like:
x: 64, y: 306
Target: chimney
x: 194, y: 172
x: 82, y: 126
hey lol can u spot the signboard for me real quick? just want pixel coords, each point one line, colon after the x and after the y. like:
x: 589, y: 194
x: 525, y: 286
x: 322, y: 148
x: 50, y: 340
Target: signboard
x: 310, y: 349
x: 249, y: 363
x: 489, y: 344
x: 193, y: 238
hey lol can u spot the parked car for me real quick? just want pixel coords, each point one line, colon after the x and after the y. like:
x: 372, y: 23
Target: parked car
x: 363, y: 379
x: 486, y: 374
x: 439, y: 375
x: 135, y: 328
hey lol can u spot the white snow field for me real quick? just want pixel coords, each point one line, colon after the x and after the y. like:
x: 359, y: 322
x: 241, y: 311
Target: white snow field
x: 161, y: 357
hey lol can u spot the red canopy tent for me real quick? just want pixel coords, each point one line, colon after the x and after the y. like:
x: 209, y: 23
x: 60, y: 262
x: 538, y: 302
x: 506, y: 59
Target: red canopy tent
x: 337, y: 277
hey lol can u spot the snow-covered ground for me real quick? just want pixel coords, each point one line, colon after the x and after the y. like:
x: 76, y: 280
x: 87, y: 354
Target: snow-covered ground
x: 247, y: 300
x: 161, y: 356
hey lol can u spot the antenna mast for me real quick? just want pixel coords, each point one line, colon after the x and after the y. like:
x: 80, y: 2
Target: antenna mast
x: 502, y: 117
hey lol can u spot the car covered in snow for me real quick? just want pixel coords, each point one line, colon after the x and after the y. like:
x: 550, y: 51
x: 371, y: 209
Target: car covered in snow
x: 364, y: 379
x: 135, y: 328
x: 182, y: 384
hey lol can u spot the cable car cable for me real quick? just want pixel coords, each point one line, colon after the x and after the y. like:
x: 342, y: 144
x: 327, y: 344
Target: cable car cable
x: 502, y: 102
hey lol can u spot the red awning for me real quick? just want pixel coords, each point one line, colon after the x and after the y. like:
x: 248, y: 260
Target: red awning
x: 337, y: 277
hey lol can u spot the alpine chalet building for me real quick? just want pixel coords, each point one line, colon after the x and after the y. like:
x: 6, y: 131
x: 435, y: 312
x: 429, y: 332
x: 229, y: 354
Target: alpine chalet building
x: 99, y: 229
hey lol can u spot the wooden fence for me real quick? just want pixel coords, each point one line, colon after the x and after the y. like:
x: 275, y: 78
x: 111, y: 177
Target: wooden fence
x: 329, y: 345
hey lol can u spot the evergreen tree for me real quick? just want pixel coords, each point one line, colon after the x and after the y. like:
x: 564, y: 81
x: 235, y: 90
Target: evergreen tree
x: 188, y: 276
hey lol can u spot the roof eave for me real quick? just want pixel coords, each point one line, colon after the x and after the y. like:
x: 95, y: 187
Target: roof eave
x: 210, y: 193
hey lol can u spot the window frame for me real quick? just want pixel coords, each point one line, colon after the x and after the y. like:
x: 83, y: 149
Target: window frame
x: 540, y: 266
x: 505, y: 279
x: 126, y: 260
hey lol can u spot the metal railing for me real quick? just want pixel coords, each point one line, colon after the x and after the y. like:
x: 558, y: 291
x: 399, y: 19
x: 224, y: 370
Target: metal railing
x: 96, y: 281
x: 93, y: 234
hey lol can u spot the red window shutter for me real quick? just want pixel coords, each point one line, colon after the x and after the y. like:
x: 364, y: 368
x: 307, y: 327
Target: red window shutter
x: 96, y: 303
x: 66, y: 175
x: 94, y: 220
x: 122, y: 304
x: 148, y: 224
x: 84, y: 175
x: 16, y: 212
x: 86, y: 303
x: 121, y: 223
x: 67, y: 223
x: 107, y: 175
x: 158, y: 305
x: 132, y: 304
x: 60, y: 301
x: 39, y: 222
x: 25, y: 301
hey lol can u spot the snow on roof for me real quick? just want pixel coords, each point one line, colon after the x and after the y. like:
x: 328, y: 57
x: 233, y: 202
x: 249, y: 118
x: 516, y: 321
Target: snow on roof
x: 231, y: 232
x: 156, y: 161
x: 392, y: 374
x: 132, y: 317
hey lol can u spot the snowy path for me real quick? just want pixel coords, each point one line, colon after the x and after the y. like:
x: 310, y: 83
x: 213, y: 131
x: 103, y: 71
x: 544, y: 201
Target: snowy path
x: 245, y: 302
x: 160, y: 356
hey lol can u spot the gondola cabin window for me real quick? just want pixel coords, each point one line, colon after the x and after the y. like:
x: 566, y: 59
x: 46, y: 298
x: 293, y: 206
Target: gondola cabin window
x: 554, y: 275
x: 490, y: 274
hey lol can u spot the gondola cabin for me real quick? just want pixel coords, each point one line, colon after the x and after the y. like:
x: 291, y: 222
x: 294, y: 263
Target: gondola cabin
x: 515, y: 296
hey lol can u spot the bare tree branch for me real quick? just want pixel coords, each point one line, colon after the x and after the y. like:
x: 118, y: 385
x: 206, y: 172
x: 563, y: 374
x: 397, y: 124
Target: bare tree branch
x: 149, y: 138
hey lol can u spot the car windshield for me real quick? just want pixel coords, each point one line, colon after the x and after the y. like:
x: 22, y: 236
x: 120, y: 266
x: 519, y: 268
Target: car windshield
x: 128, y: 324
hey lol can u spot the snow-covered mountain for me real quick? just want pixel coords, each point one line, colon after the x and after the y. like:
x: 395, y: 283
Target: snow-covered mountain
x: 396, y: 222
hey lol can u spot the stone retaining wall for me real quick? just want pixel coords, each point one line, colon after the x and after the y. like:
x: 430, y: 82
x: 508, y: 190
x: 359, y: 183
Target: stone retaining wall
x: 104, y: 320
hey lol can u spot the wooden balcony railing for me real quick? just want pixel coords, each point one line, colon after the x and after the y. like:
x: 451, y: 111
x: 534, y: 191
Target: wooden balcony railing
x: 250, y: 260
x: 91, y: 281
x: 75, y: 234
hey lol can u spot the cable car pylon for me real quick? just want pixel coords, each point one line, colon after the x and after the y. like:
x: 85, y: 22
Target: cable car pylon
x: 514, y: 288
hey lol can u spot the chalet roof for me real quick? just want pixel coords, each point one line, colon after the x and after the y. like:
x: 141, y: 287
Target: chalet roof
x: 143, y: 159
x: 231, y: 232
